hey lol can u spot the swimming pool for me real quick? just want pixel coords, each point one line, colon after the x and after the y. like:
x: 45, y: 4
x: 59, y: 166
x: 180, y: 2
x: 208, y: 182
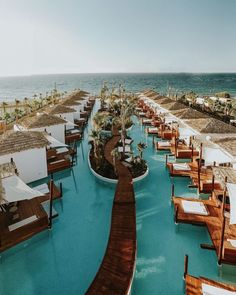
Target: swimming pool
x: 161, y: 244
x: 66, y: 259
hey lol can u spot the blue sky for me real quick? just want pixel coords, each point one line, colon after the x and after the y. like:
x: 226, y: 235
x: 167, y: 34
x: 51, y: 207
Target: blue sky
x: 75, y: 36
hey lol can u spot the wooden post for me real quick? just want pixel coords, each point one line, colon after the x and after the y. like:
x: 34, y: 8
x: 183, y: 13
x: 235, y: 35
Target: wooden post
x: 176, y: 146
x: 176, y: 213
x: 185, y: 266
x: 213, y: 185
x: 61, y: 191
x: 50, y: 205
x: 153, y: 141
x: 221, y: 248
x: 199, y: 169
x: 166, y: 159
x: 172, y: 190
x: 192, y: 153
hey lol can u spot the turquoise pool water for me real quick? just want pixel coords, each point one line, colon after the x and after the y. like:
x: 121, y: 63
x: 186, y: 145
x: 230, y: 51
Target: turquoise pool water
x: 161, y: 244
x: 65, y: 260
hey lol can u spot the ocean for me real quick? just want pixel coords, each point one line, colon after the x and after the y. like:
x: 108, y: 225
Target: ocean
x: 26, y: 86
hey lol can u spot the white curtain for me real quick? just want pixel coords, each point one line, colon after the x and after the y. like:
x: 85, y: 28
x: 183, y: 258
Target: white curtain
x: 17, y: 190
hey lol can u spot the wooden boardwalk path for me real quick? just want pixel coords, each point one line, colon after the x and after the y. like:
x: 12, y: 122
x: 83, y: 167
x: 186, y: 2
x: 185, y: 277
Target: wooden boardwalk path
x: 116, y: 270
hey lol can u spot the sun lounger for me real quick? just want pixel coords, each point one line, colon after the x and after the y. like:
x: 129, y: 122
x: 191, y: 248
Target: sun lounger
x: 127, y: 141
x: 164, y: 143
x: 194, y: 207
x: 23, y: 222
x: 74, y: 131
x: 62, y: 150
x: 181, y: 166
x: 211, y: 290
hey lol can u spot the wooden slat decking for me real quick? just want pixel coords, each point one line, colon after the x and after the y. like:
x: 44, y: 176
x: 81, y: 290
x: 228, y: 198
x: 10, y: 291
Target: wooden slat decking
x: 116, y: 271
x: 213, y: 222
x: 194, y: 285
x: 26, y: 209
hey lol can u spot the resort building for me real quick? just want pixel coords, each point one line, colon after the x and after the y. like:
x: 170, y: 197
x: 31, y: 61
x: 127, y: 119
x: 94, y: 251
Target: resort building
x: 28, y: 150
x: 53, y: 125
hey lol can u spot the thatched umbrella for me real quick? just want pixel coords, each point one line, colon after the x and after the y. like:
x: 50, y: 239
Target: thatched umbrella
x: 210, y: 126
x: 173, y: 105
x: 189, y: 113
x: 165, y: 100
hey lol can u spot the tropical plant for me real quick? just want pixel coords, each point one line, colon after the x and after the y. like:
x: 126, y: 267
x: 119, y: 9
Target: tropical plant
x: 141, y: 146
x: 115, y: 155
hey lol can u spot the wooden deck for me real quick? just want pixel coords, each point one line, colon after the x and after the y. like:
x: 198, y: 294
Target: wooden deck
x: 116, y: 271
x: 194, y: 285
x: 214, y: 223
x: 25, y: 210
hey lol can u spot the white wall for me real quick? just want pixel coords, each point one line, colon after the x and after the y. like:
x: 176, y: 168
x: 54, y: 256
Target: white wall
x: 31, y: 164
x: 56, y: 131
x: 67, y: 116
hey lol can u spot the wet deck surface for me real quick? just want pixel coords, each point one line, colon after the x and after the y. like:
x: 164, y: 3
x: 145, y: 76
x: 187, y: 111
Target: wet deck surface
x: 116, y: 271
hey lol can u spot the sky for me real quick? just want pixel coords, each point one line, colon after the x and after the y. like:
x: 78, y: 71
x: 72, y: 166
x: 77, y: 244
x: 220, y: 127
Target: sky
x: 96, y: 36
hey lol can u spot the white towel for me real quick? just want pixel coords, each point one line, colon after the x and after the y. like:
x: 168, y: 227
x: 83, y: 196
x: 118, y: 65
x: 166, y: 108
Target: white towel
x: 164, y: 143
x: 23, y: 222
x: 181, y: 166
x: 211, y: 290
x: 194, y: 207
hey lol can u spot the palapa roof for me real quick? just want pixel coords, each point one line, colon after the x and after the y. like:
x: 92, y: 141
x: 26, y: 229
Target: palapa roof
x: 41, y: 120
x: 158, y: 97
x: 189, y: 113
x: 222, y: 172
x: 17, y: 141
x: 227, y: 143
x: 165, y: 100
x: 59, y: 109
x: 70, y: 102
x: 210, y: 125
x: 174, y: 105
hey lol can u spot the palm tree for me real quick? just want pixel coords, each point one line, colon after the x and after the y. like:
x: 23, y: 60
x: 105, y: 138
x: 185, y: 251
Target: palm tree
x: 95, y: 137
x: 115, y: 155
x: 141, y: 146
x: 7, y: 117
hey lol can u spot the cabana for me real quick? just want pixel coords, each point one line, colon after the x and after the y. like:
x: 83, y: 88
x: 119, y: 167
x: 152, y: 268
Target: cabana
x: 63, y: 112
x: 28, y: 150
x: 53, y: 125
x: 21, y: 214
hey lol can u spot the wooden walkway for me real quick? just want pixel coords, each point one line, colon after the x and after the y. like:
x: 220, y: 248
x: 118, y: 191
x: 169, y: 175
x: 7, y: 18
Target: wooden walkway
x: 116, y: 271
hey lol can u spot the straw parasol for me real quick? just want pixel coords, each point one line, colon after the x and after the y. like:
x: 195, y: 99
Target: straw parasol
x: 173, y: 105
x: 210, y: 125
x: 13, y: 142
x: 165, y: 100
x: 189, y: 113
